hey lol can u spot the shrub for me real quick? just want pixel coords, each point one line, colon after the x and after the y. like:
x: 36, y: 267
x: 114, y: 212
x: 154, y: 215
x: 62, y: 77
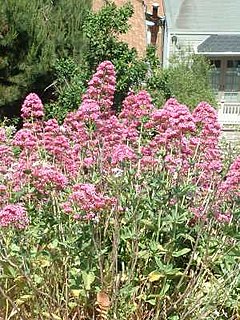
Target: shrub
x: 194, y: 86
x: 125, y: 217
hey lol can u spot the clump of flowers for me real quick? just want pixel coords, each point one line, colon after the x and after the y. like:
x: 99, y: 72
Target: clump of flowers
x: 205, y: 118
x: 231, y: 186
x: 2, y: 135
x: 32, y: 107
x: 173, y: 126
x: 44, y: 157
x: 122, y: 152
x: 14, y: 215
x: 101, y: 87
x: 47, y: 178
x: 137, y: 107
x: 25, y: 138
x: 85, y: 202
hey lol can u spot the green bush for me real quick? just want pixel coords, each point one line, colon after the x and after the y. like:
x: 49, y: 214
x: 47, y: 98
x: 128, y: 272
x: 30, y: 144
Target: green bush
x: 186, y: 78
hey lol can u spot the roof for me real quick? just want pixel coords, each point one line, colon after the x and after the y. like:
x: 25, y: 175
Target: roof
x: 203, y: 15
x: 220, y: 43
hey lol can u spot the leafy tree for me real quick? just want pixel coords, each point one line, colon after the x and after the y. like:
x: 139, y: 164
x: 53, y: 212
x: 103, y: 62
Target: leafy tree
x: 102, y: 30
x: 33, y: 34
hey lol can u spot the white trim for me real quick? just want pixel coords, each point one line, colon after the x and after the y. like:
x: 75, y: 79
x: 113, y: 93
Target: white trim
x: 229, y: 113
x: 176, y: 32
x: 166, y: 47
x: 230, y: 53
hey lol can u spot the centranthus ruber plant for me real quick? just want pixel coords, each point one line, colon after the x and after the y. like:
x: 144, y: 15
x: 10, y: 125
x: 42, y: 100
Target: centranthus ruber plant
x: 138, y: 206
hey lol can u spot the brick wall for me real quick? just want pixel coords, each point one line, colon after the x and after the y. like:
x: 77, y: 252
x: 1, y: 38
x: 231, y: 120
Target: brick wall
x: 136, y: 36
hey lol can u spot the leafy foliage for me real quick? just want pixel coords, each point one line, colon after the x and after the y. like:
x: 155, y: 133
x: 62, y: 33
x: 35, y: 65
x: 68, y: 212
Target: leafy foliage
x: 55, y: 47
x: 32, y: 36
x: 101, y: 30
x: 69, y: 85
x: 186, y: 79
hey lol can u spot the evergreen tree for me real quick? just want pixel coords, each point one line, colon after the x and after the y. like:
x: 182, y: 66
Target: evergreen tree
x: 33, y: 34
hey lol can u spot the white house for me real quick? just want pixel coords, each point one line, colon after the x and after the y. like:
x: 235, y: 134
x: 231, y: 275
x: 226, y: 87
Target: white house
x: 210, y: 28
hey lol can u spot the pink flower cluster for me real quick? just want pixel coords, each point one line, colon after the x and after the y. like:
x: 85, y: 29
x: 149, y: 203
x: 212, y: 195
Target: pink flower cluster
x: 86, y: 202
x: 47, y: 178
x: 137, y: 107
x: 54, y: 158
x: 231, y: 186
x: 210, y: 162
x: 14, y: 215
x: 2, y: 135
x: 32, y: 107
x: 101, y: 87
x: 25, y: 138
x: 174, y: 125
x: 121, y: 153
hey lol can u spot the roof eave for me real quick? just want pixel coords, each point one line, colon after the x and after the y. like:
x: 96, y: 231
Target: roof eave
x: 227, y: 53
x: 193, y: 32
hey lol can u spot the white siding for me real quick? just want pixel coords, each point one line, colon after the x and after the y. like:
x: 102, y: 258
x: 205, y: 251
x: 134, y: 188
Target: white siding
x: 186, y: 42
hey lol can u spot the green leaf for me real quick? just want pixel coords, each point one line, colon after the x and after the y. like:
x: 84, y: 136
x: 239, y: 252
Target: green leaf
x: 165, y: 289
x: 152, y: 302
x: 38, y: 279
x: 12, y: 271
x: 23, y: 299
x: 72, y: 305
x: 14, y: 247
x: 75, y: 293
x: 181, y: 252
x: 88, y: 279
x: 174, y: 318
x: 53, y: 244
x: 155, y: 276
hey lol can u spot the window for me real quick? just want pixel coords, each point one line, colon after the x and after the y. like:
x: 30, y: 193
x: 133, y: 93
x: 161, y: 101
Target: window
x: 225, y: 79
x: 215, y: 78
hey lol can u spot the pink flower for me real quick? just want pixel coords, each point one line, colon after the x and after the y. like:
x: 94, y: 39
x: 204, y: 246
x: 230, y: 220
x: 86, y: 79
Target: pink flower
x: 101, y: 87
x: 24, y: 138
x: 14, y: 215
x: 122, y: 153
x: 230, y: 188
x: 223, y: 217
x: 47, y: 178
x: 88, y: 201
x: 200, y: 213
x: 209, y: 156
x: 32, y: 107
x: 137, y: 107
x: 2, y: 135
x: 88, y: 161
